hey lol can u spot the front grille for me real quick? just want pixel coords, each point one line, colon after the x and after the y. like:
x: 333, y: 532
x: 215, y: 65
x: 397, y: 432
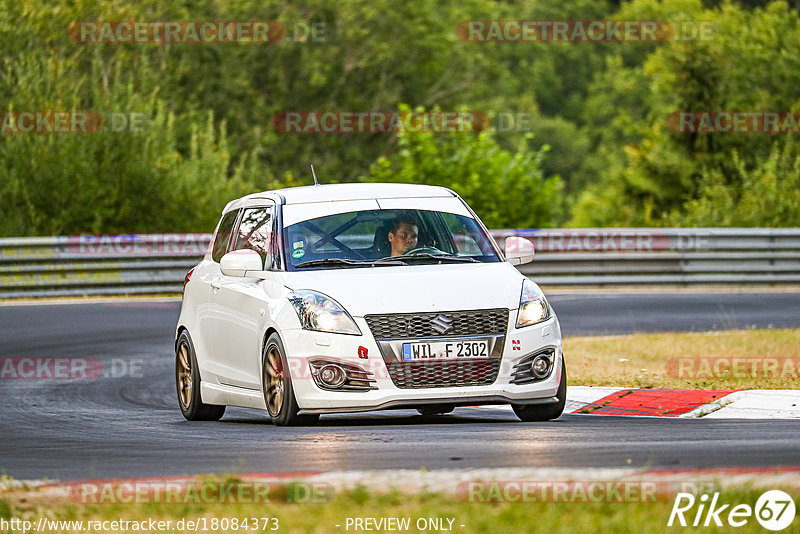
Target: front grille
x: 413, y: 375
x: 417, y: 325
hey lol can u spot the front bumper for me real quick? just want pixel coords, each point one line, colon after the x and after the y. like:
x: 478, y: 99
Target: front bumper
x: 303, y: 345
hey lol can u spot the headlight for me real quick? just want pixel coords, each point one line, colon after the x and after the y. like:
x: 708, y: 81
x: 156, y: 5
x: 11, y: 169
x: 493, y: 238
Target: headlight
x: 319, y: 312
x: 533, y: 307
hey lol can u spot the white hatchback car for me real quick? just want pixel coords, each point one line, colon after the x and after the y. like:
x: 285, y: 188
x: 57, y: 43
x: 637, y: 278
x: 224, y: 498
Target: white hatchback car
x: 357, y: 297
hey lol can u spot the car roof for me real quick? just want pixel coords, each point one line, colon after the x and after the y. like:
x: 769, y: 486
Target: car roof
x: 340, y: 192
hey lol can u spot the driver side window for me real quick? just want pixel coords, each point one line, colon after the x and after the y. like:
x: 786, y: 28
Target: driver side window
x: 255, y: 232
x: 223, y: 235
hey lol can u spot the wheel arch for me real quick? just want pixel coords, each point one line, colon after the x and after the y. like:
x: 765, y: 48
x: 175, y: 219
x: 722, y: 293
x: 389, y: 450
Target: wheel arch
x: 270, y: 330
x: 181, y: 329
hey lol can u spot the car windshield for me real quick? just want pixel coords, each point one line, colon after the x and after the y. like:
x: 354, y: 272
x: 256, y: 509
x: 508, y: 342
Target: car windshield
x: 384, y: 238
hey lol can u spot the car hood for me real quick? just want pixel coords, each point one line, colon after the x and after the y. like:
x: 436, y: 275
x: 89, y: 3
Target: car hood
x: 415, y: 288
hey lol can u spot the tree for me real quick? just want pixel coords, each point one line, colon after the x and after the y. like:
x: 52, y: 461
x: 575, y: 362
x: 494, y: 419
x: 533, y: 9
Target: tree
x: 507, y: 189
x: 750, y: 63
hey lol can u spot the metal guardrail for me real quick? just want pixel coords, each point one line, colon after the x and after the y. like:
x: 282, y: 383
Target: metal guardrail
x: 157, y: 263
x: 650, y: 256
x: 97, y: 265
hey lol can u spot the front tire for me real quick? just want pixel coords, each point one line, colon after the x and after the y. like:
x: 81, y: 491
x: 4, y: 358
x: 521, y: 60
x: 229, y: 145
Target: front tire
x: 276, y: 383
x: 545, y: 412
x: 187, y: 382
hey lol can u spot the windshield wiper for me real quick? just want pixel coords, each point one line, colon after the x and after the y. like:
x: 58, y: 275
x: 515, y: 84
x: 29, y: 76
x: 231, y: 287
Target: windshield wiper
x: 387, y: 261
x: 428, y: 255
x: 344, y: 261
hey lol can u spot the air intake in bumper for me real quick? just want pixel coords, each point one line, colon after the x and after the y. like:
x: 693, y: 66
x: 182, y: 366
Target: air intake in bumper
x: 392, y: 331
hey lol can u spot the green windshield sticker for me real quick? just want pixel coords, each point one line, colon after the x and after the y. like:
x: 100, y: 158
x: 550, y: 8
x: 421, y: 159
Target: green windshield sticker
x: 299, y: 253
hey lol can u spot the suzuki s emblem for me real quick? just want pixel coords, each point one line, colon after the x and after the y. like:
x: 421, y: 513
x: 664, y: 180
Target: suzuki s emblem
x: 442, y: 323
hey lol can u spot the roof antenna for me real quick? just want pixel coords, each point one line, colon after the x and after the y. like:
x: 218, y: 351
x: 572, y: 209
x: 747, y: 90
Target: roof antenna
x: 314, y: 175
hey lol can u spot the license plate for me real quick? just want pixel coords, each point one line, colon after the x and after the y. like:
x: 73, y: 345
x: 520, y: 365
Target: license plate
x: 445, y: 350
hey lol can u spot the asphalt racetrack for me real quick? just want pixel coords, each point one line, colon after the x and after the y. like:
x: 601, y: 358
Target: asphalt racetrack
x: 128, y: 424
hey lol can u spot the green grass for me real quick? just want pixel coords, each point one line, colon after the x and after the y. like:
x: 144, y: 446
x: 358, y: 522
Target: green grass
x: 551, y: 518
x: 642, y: 360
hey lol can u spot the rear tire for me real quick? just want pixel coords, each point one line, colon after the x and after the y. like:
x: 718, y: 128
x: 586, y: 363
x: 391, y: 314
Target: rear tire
x: 545, y: 412
x: 276, y: 384
x: 187, y: 382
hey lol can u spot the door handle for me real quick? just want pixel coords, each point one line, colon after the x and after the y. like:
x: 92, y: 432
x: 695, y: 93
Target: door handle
x: 215, y: 285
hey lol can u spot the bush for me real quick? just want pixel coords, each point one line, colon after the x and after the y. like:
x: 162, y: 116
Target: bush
x: 507, y: 189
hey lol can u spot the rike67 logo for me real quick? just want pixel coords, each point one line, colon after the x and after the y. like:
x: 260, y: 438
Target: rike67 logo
x: 774, y: 510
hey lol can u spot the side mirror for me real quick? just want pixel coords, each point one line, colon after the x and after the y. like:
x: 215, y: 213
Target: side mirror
x: 518, y: 250
x: 238, y: 262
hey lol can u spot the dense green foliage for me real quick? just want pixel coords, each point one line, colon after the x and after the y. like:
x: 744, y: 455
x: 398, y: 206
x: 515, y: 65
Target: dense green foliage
x: 463, y: 161
x: 663, y: 177
x: 598, y: 151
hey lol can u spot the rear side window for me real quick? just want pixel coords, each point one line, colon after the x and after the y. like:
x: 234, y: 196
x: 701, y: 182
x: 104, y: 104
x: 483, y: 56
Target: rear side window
x: 223, y: 235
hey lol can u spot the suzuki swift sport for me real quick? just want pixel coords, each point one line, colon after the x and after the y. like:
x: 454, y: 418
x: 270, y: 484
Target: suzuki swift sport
x: 358, y: 297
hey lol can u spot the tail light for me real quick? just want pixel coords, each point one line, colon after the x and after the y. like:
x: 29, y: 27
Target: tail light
x: 186, y: 279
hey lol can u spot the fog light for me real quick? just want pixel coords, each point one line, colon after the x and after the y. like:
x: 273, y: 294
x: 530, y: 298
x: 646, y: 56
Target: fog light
x: 332, y: 375
x: 540, y: 366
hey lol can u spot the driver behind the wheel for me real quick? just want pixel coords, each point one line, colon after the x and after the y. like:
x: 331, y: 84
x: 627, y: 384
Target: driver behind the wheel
x: 403, y: 235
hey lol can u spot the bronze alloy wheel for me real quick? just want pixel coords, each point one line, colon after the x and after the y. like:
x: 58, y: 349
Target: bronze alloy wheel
x: 275, y: 380
x: 184, y: 375
x: 276, y: 383
x: 187, y: 382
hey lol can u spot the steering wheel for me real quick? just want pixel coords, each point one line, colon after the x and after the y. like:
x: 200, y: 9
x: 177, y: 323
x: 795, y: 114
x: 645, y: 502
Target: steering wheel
x: 423, y: 250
